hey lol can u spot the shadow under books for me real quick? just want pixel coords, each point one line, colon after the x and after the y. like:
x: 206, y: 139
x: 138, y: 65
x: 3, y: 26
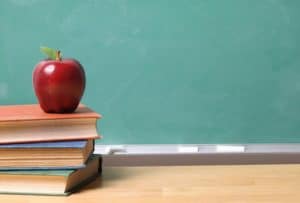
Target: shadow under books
x: 111, y: 176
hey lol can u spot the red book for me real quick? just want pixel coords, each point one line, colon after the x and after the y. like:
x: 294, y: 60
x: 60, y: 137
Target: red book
x: 28, y: 123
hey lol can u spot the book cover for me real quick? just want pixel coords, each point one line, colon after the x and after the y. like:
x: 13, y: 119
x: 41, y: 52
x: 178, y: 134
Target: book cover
x: 58, y: 144
x: 45, y: 155
x: 28, y: 123
x: 29, y: 112
x: 49, y: 182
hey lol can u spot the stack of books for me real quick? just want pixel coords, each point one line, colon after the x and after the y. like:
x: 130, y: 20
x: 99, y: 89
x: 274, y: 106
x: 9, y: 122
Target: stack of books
x: 50, y: 154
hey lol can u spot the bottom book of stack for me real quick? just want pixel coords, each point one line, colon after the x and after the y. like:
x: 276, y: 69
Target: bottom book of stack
x: 49, y: 182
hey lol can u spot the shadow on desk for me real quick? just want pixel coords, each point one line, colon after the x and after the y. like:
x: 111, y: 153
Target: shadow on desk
x: 112, y: 176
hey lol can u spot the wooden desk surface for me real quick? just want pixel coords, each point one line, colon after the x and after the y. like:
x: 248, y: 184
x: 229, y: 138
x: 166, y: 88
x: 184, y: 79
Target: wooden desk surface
x: 247, y: 183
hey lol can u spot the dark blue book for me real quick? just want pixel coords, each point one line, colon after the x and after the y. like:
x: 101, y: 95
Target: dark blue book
x: 45, y: 155
x: 49, y: 182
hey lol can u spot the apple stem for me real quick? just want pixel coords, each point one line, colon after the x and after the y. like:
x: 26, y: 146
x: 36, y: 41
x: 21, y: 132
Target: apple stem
x: 58, y: 56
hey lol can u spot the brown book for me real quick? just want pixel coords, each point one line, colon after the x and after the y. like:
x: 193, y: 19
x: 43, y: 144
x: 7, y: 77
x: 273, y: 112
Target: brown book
x: 28, y: 123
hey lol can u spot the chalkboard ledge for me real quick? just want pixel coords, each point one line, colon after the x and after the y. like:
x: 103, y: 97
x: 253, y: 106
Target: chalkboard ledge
x: 156, y: 155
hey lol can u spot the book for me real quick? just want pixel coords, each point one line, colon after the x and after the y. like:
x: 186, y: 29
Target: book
x: 45, y: 155
x: 28, y: 123
x: 49, y: 182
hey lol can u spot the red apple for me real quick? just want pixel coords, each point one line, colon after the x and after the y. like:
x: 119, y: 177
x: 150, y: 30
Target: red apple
x: 59, y: 84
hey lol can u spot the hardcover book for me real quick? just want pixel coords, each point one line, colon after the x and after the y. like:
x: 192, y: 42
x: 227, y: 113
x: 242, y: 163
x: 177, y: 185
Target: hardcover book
x: 45, y: 155
x: 49, y: 182
x: 28, y: 123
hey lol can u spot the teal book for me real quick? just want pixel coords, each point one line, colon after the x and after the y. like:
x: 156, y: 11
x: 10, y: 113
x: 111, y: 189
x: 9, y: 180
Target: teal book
x: 49, y: 182
x: 45, y: 155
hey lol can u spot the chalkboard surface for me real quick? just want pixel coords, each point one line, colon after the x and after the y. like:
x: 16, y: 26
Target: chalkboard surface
x: 167, y: 71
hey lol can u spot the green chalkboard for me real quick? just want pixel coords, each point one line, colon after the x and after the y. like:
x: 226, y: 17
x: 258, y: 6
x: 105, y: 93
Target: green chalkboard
x: 167, y: 71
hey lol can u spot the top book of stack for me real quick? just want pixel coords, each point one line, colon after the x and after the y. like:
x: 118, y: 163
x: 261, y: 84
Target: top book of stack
x: 28, y: 123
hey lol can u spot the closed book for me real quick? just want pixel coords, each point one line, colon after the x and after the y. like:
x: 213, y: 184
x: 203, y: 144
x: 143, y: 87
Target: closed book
x: 49, y: 182
x: 28, y: 123
x: 45, y: 155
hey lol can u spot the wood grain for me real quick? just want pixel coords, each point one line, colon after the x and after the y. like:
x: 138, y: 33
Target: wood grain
x: 236, y: 183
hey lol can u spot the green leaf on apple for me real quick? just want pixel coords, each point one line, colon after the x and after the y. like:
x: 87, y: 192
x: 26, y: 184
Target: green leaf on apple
x: 50, y: 53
